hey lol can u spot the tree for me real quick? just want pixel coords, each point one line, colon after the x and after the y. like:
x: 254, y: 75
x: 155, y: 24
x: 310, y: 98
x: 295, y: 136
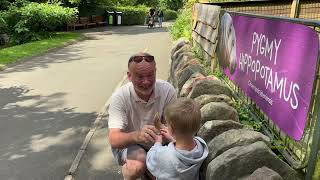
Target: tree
x: 172, y: 4
x: 4, y: 4
x: 151, y: 3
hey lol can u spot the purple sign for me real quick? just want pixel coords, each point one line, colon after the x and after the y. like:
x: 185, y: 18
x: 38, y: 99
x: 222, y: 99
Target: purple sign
x: 274, y: 62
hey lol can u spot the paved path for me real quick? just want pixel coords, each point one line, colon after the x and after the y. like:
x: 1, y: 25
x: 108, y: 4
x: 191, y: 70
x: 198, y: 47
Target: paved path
x: 48, y: 104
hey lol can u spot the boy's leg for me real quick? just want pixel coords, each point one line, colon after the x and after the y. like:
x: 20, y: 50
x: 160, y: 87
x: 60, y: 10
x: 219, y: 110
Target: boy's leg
x: 134, y: 163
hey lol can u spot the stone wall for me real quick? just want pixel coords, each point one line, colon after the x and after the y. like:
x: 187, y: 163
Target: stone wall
x: 234, y: 152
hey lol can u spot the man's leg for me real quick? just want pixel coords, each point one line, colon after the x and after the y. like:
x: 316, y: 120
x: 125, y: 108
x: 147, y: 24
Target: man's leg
x: 135, y: 163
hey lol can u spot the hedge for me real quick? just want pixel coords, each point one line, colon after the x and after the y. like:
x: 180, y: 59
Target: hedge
x: 137, y: 15
x: 35, y: 21
x: 169, y: 14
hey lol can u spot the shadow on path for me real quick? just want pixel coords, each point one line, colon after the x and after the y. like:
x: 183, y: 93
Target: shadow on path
x: 98, y: 162
x: 41, y: 136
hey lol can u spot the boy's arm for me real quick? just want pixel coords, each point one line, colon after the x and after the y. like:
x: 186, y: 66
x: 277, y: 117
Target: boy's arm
x: 120, y: 139
x: 152, y: 159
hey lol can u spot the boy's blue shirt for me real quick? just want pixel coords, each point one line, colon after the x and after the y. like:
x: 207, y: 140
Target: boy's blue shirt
x: 167, y: 162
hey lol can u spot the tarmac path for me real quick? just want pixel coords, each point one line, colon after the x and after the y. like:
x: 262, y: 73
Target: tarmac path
x: 49, y: 103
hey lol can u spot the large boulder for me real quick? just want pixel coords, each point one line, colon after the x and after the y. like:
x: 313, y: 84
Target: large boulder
x: 233, y: 138
x: 178, y: 44
x: 263, y: 173
x: 209, y: 86
x: 184, y: 57
x: 218, y: 111
x: 207, y: 98
x: 211, y: 129
x: 183, y: 64
x: 185, y: 48
x: 187, y: 87
x: 243, y: 160
x: 184, y: 74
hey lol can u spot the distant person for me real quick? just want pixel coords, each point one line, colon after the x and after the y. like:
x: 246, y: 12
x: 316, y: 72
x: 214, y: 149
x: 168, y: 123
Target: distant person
x: 131, y: 114
x: 160, y: 17
x: 227, y: 44
x: 151, y: 17
x: 181, y: 159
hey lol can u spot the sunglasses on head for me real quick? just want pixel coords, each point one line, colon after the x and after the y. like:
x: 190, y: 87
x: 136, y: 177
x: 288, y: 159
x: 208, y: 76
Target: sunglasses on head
x: 138, y: 59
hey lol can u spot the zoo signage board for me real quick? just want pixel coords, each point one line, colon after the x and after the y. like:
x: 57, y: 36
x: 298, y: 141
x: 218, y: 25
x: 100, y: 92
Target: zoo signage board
x: 274, y: 62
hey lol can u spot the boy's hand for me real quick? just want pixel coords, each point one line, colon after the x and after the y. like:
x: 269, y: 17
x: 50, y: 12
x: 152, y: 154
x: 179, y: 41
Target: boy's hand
x: 167, y: 136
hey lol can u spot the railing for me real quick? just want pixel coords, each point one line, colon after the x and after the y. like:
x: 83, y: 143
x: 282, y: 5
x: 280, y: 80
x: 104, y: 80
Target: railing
x: 307, y: 9
x: 301, y: 155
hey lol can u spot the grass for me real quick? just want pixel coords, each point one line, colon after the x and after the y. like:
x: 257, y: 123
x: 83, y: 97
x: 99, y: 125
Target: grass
x: 15, y: 53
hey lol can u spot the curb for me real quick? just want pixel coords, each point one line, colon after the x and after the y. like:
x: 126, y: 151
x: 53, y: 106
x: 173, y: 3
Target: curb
x: 82, y: 149
x: 22, y: 60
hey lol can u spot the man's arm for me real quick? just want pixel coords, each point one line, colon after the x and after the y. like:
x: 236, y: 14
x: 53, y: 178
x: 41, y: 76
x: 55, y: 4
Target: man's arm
x: 119, y: 139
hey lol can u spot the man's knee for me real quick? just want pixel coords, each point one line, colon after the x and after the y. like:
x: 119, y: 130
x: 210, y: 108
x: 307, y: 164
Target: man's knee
x: 136, y: 153
x: 135, y: 165
x: 135, y: 168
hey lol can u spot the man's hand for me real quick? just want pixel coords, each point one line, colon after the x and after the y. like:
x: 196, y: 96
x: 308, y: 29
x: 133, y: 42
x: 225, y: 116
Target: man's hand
x: 147, y: 135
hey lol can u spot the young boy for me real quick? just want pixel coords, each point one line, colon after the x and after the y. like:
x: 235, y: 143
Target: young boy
x: 182, y: 158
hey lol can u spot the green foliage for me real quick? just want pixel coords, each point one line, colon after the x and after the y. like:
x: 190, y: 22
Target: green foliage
x: 189, y: 3
x: 149, y: 3
x: 3, y: 24
x: 133, y: 15
x: 213, y: 1
x: 127, y: 2
x: 316, y: 175
x: 171, y: 4
x: 34, y: 21
x: 86, y: 10
x: 183, y: 25
x: 94, y: 7
x: 169, y: 14
x: 4, y: 5
x: 76, y: 2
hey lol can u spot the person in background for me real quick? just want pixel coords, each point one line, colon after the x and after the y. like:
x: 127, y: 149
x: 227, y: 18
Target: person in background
x: 151, y: 17
x: 160, y: 17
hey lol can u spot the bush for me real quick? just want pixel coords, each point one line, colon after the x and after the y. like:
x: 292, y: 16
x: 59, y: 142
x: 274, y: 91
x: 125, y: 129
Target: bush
x: 172, y: 4
x: 183, y: 25
x: 35, y: 21
x: 91, y: 9
x: 133, y: 15
x: 169, y: 14
x: 3, y: 24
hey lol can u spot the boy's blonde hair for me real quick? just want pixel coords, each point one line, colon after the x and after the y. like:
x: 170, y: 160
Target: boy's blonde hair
x: 183, y: 116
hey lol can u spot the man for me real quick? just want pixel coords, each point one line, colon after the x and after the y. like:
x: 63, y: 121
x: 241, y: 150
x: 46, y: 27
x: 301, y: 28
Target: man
x: 132, y: 111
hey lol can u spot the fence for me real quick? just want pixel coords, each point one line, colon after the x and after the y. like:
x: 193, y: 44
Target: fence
x: 307, y: 9
x: 301, y: 155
